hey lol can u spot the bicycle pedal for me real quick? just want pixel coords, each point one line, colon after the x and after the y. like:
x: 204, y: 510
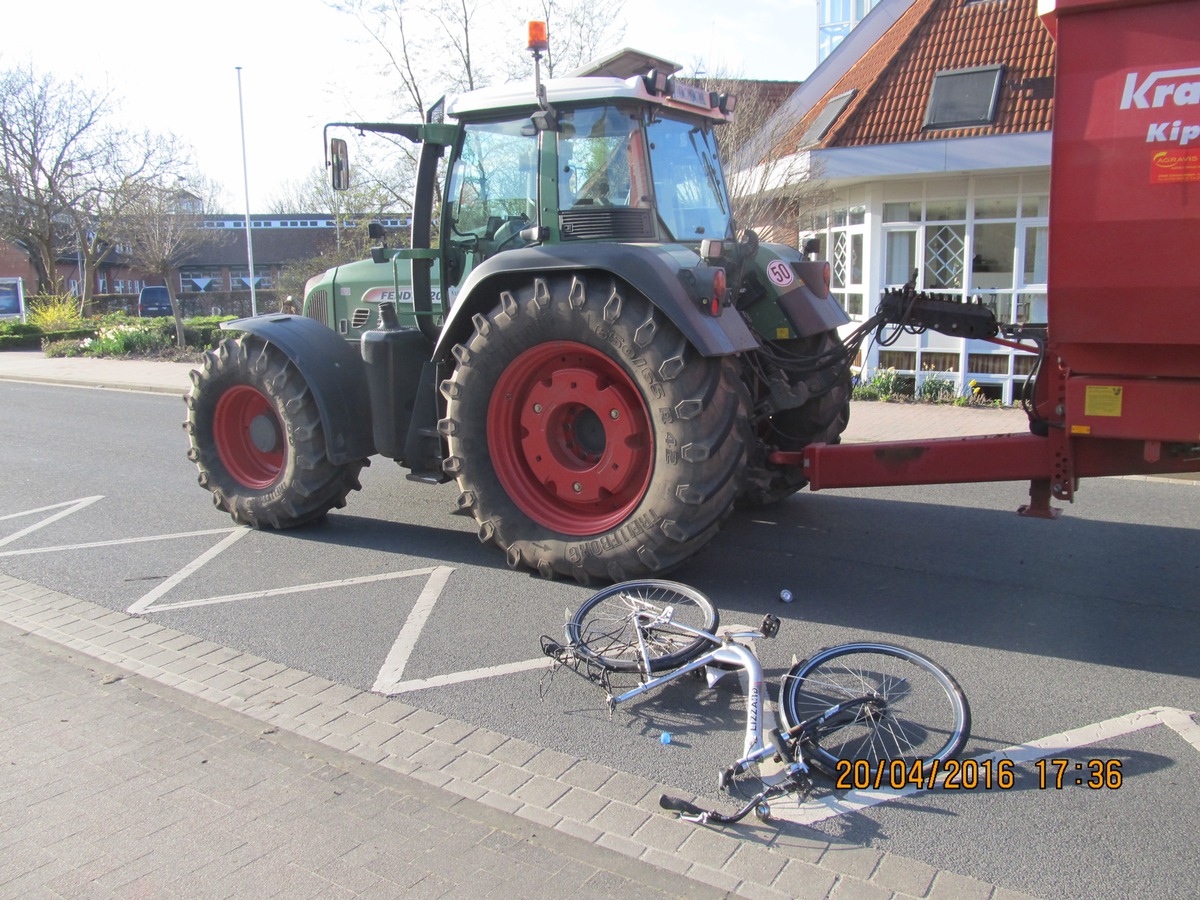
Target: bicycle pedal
x: 770, y: 626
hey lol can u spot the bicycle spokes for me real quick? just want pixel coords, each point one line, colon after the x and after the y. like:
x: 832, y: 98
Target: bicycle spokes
x: 876, y: 702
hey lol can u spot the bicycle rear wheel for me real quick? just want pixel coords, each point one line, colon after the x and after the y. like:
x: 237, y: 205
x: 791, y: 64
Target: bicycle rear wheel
x: 912, y: 708
x: 605, y: 628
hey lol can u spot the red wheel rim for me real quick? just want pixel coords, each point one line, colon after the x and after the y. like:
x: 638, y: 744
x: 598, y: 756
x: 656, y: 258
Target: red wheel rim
x: 570, y: 438
x: 249, y: 437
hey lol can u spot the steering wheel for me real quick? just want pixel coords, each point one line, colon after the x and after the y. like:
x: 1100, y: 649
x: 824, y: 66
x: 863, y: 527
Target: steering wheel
x: 509, y: 231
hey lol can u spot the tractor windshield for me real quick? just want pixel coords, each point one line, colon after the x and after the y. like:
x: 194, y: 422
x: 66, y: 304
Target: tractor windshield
x: 692, y: 201
x: 601, y: 159
x: 494, y: 179
x: 616, y: 163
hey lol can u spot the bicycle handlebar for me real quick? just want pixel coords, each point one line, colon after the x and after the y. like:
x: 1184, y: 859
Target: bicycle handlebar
x: 693, y: 813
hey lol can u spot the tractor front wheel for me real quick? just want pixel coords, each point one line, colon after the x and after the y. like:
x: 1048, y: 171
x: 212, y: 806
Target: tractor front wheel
x: 587, y: 436
x: 257, y: 440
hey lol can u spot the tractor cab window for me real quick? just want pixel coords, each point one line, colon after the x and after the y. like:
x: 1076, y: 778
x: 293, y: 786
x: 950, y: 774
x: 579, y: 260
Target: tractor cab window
x: 601, y: 159
x: 688, y: 187
x: 493, y: 186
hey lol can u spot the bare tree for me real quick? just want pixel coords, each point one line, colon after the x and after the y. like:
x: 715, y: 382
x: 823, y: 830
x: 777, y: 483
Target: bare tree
x: 579, y: 31
x: 368, y: 194
x: 69, y: 176
x: 354, y: 245
x: 162, y: 228
x: 49, y: 139
x: 435, y: 49
x: 127, y: 166
x: 428, y: 48
x: 367, y: 198
x: 771, y: 192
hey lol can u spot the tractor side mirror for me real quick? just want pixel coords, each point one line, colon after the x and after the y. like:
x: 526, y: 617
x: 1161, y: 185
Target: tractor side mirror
x: 749, y: 244
x: 339, y: 164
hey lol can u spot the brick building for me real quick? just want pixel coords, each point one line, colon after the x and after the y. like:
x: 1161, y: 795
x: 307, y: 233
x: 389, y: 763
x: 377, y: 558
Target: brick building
x: 215, y: 277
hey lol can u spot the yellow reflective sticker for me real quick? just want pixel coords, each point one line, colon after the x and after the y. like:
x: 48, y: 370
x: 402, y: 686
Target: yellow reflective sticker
x: 1081, y: 429
x: 782, y: 333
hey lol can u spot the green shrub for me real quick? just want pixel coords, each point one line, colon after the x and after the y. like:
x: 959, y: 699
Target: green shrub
x: 126, y: 340
x: 936, y: 389
x: 54, y: 312
x: 117, y: 334
x: 884, y: 384
x: 205, y: 331
x: 56, y: 349
x: 115, y: 318
x: 18, y: 328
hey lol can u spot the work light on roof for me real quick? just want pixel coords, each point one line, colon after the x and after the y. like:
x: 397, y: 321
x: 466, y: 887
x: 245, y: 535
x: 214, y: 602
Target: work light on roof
x: 656, y: 81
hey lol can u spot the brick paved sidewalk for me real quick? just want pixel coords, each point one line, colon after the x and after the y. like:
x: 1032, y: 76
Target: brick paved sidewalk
x: 114, y: 785
x: 139, y: 761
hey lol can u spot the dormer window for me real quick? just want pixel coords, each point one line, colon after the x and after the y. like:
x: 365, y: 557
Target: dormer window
x: 824, y: 121
x: 964, y: 98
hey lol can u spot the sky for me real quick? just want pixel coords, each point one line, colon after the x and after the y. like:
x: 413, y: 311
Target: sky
x: 172, y: 67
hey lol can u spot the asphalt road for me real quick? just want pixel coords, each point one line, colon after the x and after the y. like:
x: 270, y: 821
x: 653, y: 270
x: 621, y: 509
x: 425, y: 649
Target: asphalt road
x: 1050, y: 626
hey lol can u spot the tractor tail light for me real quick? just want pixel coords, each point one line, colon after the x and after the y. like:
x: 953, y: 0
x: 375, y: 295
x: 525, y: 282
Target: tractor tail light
x: 826, y: 274
x: 718, y: 291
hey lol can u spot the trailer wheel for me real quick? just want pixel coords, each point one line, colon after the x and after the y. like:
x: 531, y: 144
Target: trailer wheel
x: 587, y: 436
x: 257, y: 438
x: 819, y: 421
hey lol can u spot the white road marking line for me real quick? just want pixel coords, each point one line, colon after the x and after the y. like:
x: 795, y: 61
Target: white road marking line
x: 420, y: 684
x: 140, y: 606
x: 138, y: 540
x: 73, y: 506
x: 1180, y: 721
x: 29, y: 512
x: 278, y: 592
x: 406, y: 640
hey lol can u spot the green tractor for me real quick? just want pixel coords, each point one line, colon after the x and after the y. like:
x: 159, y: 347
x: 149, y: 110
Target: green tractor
x: 586, y: 347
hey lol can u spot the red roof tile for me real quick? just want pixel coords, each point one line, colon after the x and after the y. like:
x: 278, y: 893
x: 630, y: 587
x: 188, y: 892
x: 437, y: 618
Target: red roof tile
x: 894, y: 78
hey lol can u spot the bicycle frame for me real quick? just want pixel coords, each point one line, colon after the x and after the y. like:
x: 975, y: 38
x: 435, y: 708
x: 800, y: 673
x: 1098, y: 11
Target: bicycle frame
x: 727, y: 651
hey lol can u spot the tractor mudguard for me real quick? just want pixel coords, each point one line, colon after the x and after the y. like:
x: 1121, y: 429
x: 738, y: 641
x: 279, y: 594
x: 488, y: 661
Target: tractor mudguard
x: 787, y: 295
x: 653, y: 271
x: 334, y: 372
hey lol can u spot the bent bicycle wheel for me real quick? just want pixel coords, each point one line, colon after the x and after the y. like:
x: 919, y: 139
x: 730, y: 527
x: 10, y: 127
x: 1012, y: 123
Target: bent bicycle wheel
x: 605, y: 628
x: 900, y: 705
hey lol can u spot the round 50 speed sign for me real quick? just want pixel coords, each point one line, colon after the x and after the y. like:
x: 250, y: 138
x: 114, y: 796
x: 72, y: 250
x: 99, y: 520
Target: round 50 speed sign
x: 780, y: 273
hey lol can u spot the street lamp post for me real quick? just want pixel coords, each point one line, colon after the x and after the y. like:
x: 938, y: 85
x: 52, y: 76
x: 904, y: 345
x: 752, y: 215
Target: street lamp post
x: 246, y: 186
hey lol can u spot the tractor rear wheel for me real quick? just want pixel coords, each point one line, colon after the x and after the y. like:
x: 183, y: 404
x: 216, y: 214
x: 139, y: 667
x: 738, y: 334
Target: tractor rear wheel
x: 587, y: 436
x: 257, y: 438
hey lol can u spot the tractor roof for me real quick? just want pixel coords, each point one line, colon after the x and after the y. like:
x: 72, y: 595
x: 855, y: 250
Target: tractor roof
x: 520, y: 96
x: 624, y: 63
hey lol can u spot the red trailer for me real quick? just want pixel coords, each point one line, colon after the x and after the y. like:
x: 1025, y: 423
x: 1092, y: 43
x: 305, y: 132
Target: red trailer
x: 1118, y: 387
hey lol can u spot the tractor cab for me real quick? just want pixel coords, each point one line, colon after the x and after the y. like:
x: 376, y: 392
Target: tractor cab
x: 627, y: 160
x: 622, y: 151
